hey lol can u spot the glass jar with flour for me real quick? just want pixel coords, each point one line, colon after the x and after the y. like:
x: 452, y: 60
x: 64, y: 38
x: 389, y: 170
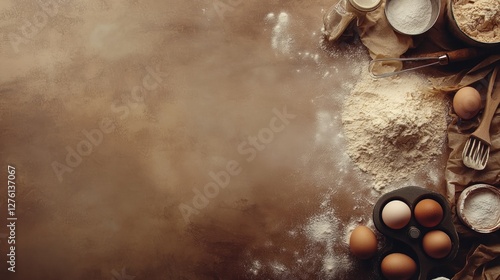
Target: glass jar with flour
x: 338, y: 17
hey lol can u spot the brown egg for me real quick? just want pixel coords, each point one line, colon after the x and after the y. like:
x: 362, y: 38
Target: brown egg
x: 363, y: 242
x: 398, y: 266
x: 428, y: 212
x: 437, y: 244
x: 467, y: 102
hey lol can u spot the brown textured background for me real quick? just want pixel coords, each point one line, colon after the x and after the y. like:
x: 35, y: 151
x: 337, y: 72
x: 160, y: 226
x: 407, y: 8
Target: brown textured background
x: 219, y: 80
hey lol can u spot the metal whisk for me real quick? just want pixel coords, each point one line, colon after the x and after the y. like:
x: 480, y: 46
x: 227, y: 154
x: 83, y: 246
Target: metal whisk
x: 477, y: 148
x: 430, y: 59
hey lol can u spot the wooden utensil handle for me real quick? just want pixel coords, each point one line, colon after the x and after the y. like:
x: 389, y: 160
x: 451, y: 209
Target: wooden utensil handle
x: 461, y: 54
x: 465, y: 54
x: 492, y: 102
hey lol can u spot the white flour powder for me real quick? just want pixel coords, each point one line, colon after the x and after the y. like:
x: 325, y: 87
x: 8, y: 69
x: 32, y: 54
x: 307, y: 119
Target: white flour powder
x: 481, y: 209
x: 410, y: 16
x: 394, y: 127
x: 324, y: 228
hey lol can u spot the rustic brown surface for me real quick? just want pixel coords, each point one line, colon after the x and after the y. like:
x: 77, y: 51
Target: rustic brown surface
x: 218, y: 80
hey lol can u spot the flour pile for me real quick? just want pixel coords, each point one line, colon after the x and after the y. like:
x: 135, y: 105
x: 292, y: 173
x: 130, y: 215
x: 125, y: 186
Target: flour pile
x: 480, y: 19
x: 394, y: 127
x: 409, y: 16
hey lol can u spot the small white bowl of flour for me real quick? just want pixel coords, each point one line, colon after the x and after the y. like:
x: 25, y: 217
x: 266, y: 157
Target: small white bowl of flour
x: 412, y: 17
x: 478, y: 207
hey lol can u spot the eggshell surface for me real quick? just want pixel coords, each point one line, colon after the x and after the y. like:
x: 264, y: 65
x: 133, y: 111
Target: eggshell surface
x: 363, y: 242
x: 428, y: 212
x: 396, y: 214
x: 467, y: 102
x: 437, y: 244
x: 397, y: 266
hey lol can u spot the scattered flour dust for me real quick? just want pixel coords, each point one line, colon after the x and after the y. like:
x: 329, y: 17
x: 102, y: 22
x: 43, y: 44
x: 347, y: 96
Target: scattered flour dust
x: 394, y: 127
x: 324, y: 228
x: 281, y: 39
x: 256, y: 266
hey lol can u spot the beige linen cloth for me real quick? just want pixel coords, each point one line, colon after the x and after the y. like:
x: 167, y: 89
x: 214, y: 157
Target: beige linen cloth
x: 483, y: 260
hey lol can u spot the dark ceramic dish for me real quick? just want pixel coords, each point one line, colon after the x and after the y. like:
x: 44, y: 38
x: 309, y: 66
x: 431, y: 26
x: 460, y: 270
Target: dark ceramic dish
x: 408, y: 240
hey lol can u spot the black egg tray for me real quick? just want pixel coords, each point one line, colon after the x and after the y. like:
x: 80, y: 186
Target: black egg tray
x: 406, y: 240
